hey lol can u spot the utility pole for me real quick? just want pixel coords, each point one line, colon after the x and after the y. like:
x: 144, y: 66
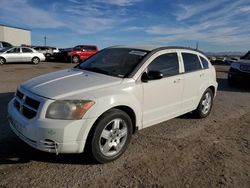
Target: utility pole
x: 45, y: 38
x: 197, y: 45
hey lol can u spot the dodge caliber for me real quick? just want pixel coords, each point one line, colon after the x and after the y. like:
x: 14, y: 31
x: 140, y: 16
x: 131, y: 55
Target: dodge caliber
x: 96, y: 106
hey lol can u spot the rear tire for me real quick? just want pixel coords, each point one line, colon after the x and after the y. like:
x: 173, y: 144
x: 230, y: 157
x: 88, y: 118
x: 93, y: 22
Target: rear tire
x: 111, y: 136
x: 2, y: 61
x: 35, y: 60
x: 205, y: 104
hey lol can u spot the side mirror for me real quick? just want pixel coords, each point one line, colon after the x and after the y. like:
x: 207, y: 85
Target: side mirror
x: 151, y: 75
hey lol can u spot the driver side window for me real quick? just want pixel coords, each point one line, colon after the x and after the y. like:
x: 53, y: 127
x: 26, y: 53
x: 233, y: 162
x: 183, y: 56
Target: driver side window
x: 14, y: 50
x: 167, y: 64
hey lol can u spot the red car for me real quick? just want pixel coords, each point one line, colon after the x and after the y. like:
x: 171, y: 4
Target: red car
x: 81, y: 52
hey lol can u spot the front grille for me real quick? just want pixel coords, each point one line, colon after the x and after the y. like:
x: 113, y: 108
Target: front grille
x: 245, y: 68
x: 26, y: 105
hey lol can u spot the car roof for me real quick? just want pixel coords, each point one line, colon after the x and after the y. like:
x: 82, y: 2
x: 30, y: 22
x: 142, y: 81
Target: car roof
x: 156, y: 48
x: 21, y: 47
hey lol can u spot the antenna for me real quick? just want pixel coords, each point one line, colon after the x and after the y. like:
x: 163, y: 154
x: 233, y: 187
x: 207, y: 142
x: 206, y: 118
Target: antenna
x: 45, y: 38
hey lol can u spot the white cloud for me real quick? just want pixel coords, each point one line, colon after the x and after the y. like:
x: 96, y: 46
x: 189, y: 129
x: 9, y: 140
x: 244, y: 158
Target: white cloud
x: 245, y: 9
x: 210, y: 23
x: 190, y: 10
x: 118, y: 2
x: 79, y: 17
x: 19, y: 11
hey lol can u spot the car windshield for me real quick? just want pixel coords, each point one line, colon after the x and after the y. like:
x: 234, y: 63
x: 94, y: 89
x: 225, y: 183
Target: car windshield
x: 118, y: 62
x: 246, y: 56
x: 5, y: 49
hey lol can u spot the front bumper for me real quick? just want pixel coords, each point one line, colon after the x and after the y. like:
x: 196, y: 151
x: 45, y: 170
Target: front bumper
x: 49, y: 135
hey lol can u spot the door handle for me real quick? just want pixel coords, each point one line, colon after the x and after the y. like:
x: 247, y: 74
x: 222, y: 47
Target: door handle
x: 202, y: 74
x: 177, y: 80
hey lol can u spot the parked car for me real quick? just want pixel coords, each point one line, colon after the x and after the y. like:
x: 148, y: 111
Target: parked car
x: 239, y: 70
x: 78, y: 53
x: 230, y: 60
x: 20, y: 54
x: 5, y: 45
x: 47, y: 51
x: 97, y: 105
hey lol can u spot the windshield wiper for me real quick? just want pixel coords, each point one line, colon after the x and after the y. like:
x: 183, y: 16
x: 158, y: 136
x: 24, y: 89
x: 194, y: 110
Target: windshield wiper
x: 95, y: 69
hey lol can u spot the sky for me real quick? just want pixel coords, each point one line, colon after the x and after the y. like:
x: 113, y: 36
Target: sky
x: 217, y: 25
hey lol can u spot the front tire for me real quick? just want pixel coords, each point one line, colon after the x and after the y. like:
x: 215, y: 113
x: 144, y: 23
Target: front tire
x: 2, y: 61
x: 205, y: 104
x: 111, y: 136
x: 35, y: 60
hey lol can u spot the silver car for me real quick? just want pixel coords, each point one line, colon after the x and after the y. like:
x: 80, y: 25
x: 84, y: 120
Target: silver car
x: 20, y: 54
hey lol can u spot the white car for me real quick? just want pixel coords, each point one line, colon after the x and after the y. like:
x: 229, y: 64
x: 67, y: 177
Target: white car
x: 20, y: 54
x: 96, y: 106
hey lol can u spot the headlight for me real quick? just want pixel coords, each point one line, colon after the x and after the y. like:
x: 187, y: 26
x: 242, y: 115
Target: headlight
x: 235, y: 65
x: 68, y: 109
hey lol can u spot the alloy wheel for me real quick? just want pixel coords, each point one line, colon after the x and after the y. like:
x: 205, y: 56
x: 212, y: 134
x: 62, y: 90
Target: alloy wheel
x: 206, y: 103
x: 113, y: 137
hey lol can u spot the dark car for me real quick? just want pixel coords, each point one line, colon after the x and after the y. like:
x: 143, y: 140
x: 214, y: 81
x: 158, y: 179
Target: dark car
x: 240, y: 70
x: 5, y: 45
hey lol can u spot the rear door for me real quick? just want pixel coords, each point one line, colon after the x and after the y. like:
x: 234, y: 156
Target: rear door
x: 193, y: 78
x: 27, y: 54
x: 162, y: 98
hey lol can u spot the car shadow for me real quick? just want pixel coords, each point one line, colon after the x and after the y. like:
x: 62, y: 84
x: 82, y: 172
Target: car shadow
x: 223, y: 85
x: 15, y: 151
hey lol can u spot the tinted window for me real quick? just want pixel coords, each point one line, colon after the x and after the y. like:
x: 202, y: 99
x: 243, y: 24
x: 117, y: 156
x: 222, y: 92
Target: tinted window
x: 191, y: 62
x: 77, y: 48
x: 6, y: 44
x: 14, y: 50
x: 167, y: 64
x: 89, y: 48
x: 204, y: 63
x: 26, y: 50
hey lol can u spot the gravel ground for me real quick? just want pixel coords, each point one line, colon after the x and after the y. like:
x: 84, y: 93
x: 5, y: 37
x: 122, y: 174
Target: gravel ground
x: 182, y: 152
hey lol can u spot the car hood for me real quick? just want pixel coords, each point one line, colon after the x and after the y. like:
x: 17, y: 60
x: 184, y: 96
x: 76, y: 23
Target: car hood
x: 67, y: 83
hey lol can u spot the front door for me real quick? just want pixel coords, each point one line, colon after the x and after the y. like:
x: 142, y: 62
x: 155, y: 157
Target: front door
x: 163, y: 97
x: 13, y: 55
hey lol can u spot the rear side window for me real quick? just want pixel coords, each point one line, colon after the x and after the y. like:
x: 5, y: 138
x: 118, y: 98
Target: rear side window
x: 89, y: 48
x: 204, y: 63
x: 191, y: 62
x: 167, y: 64
x: 26, y: 50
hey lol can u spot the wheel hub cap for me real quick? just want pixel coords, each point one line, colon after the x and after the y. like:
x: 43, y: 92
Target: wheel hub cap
x: 113, y: 137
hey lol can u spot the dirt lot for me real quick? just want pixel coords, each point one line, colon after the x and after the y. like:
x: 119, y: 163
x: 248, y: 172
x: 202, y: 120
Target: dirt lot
x: 183, y: 152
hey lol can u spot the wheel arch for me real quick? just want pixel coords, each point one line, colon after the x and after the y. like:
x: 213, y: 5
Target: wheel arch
x: 35, y: 57
x: 128, y: 110
x: 3, y: 58
x: 213, y: 89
